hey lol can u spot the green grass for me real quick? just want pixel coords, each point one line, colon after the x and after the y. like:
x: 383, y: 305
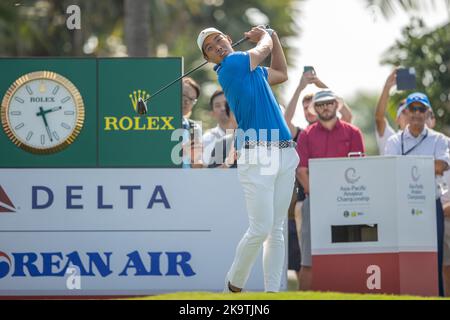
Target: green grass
x: 280, y: 296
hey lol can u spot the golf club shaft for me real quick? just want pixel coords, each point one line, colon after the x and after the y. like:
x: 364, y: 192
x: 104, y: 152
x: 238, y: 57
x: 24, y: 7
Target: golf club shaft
x: 189, y: 72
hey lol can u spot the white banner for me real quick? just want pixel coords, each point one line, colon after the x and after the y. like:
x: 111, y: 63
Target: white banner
x: 119, y: 231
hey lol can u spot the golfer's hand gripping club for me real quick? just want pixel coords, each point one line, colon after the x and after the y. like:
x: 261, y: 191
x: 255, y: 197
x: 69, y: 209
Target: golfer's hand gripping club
x: 142, y: 106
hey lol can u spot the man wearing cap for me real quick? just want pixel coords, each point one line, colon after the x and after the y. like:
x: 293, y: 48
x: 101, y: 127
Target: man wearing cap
x: 329, y: 137
x: 419, y: 140
x: 262, y: 130
x: 383, y: 130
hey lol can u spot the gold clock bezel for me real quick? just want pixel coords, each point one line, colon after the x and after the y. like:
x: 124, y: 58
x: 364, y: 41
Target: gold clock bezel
x: 47, y: 75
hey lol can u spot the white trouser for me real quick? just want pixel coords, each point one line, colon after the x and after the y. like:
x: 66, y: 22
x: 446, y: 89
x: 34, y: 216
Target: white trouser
x: 268, y: 192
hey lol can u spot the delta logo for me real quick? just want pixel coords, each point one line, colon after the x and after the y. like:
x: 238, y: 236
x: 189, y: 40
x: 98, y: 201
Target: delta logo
x: 139, y: 122
x: 6, y: 204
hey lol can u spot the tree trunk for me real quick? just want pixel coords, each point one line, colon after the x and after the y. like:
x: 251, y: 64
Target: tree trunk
x: 137, y: 26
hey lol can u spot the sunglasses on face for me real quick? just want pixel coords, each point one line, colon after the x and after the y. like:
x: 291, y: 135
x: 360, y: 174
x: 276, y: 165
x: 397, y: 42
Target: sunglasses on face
x: 414, y: 109
x: 324, y: 104
x: 189, y: 99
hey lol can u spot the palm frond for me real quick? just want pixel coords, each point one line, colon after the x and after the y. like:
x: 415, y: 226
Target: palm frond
x: 392, y: 7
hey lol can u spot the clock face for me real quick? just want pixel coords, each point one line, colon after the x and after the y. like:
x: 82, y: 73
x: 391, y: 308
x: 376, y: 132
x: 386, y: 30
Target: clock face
x: 42, y: 112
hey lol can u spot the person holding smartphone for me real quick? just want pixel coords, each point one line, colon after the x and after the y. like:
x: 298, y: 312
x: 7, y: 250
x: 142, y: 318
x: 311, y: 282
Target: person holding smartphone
x: 383, y: 130
x: 309, y: 77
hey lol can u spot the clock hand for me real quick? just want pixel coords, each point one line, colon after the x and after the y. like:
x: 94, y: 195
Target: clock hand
x: 48, y: 110
x: 42, y: 113
x: 53, y: 109
x: 49, y: 134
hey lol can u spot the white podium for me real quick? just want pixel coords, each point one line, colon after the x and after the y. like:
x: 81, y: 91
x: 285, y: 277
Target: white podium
x: 373, y: 225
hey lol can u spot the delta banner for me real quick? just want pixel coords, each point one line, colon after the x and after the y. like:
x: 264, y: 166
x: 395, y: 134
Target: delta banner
x: 119, y: 231
x: 113, y: 133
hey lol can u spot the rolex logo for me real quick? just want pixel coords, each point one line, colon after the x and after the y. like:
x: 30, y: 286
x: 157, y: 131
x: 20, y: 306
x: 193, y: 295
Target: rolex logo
x: 137, y: 98
x: 143, y: 122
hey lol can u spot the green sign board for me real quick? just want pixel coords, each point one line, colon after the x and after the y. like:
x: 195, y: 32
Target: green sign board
x: 82, y: 74
x: 127, y: 139
x: 41, y: 95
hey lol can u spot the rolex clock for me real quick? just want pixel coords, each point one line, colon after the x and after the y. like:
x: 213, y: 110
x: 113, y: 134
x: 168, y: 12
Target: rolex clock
x: 42, y: 112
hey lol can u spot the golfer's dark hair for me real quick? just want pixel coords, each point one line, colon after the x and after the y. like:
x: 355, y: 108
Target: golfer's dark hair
x: 215, y: 95
x: 191, y: 82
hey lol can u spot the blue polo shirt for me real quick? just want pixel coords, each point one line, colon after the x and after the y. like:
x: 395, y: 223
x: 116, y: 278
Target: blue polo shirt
x: 251, y: 99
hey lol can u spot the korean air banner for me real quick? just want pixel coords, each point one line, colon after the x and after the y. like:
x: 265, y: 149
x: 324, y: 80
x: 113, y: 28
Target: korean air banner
x: 119, y: 231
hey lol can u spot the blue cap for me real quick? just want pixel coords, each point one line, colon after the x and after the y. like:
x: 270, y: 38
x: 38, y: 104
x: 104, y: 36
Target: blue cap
x: 418, y: 97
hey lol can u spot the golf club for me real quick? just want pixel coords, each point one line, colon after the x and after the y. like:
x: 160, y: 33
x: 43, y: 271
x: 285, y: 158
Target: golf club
x: 142, y: 104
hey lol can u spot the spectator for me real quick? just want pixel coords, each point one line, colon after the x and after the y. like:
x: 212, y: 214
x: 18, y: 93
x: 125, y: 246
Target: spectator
x: 306, y: 79
x: 192, y: 146
x: 383, y: 130
x: 224, y: 154
x: 294, y: 255
x: 416, y: 140
x: 311, y: 117
x: 294, y: 222
x: 445, y: 199
x: 220, y: 111
x: 431, y: 120
x: 327, y: 138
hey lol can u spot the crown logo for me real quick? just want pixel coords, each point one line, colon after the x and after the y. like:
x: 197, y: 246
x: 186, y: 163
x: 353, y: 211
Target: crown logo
x: 134, y: 97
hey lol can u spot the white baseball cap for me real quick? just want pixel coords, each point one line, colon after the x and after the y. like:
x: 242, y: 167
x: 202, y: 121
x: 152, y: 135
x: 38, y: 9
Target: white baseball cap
x: 204, y: 34
x: 324, y: 95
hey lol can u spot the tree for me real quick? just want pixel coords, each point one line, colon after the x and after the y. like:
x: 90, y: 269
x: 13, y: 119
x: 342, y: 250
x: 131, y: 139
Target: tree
x: 38, y: 28
x: 147, y: 27
x: 175, y: 25
x: 391, y: 7
x: 426, y: 50
x: 137, y: 27
x: 429, y: 53
x: 363, y: 107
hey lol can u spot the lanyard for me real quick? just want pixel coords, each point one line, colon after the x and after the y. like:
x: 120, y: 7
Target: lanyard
x: 417, y: 144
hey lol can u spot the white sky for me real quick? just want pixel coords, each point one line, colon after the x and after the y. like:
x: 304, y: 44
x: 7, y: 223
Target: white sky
x: 344, y: 41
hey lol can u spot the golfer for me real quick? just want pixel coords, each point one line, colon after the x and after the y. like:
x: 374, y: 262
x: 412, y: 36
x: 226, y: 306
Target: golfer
x: 262, y: 133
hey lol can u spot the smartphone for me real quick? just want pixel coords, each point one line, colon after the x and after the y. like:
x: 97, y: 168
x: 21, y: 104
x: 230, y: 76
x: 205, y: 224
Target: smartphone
x: 309, y: 69
x: 406, y: 79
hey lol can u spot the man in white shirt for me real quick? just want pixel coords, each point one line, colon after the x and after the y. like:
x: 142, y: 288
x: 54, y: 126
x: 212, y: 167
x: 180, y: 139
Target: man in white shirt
x: 221, y: 113
x: 418, y: 139
x: 383, y: 131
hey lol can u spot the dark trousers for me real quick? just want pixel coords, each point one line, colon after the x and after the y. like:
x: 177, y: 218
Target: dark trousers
x: 440, y: 243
